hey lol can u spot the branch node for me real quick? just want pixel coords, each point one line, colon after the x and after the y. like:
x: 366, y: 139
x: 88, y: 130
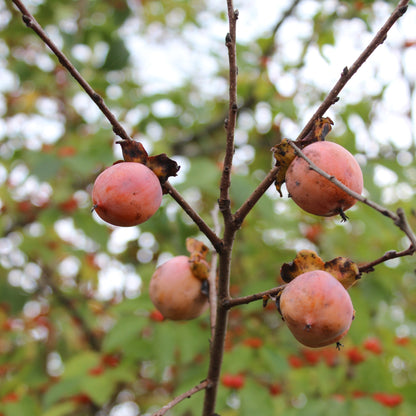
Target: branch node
x: 236, y: 14
x: 97, y: 98
x: 224, y: 204
x: 402, y: 10
x: 27, y: 20
x: 228, y: 39
x: 345, y: 72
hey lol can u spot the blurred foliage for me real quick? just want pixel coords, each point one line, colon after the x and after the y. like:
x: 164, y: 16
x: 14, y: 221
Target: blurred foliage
x: 78, y: 334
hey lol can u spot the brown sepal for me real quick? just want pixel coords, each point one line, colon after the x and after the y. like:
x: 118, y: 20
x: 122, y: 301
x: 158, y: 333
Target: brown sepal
x: 161, y: 165
x: 284, y: 152
x: 197, y: 259
x: 342, y: 268
x: 305, y: 261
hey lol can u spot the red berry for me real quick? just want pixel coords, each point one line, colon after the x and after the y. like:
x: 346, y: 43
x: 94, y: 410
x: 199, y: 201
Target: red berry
x: 357, y: 394
x: 355, y: 356
x: 388, y: 400
x: 81, y: 398
x: 233, y: 381
x: 373, y: 344
x: 275, y: 389
x: 110, y: 360
x: 96, y: 371
x: 295, y: 361
x: 316, y: 194
x: 126, y: 194
x: 11, y: 397
x: 254, y: 342
x: 156, y: 316
x: 402, y: 341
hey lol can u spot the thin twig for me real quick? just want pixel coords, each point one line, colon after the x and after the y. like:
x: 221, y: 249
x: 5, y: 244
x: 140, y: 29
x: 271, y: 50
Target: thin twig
x: 347, y: 73
x: 251, y: 201
x: 331, y: 98
x: 251, y: 99
x: 202, y: 225
x: 230, y: 42
x: 391, y: 254
x: 31, y: 22
x: 252, y: 298
x: 183, y: 396
x: 398, y: 218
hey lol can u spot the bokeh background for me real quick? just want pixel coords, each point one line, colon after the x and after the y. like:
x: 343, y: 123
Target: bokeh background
x: 78, y: 333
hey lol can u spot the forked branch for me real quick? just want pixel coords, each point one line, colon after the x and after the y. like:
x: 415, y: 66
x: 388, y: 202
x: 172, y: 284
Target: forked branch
x: 330, y: 100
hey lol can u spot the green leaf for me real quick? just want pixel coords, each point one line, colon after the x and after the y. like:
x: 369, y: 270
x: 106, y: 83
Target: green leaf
x: 117, y: 56
x: 123, y: 333
x: 255, y: 399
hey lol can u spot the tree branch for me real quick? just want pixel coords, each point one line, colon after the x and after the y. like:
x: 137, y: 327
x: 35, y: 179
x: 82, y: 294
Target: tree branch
x: 250, y: 100
x: 332, y: 97
x: 248, y: 205
x: 224, y: 270
x: 391, y: 254
x: 31, y: 23
x: 398, y: 218
x: 201, y: 224
x: 347, y: 73
x: 212, y: 278
x: 230, y: 42
x: 252, y: 298
x: 183, y: 396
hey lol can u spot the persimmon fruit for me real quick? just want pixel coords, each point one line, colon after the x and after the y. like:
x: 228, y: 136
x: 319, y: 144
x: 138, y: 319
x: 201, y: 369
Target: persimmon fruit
x: 176, y: 292
x: 316, y: 308
x: 126, y: 194
x: 316, y: 194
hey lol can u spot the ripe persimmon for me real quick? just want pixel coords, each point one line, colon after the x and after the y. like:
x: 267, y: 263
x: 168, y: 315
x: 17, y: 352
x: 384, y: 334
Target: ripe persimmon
x: 316, y: 308
x: 316, y: 194
x: 176, y: 292
x: 126, y: 194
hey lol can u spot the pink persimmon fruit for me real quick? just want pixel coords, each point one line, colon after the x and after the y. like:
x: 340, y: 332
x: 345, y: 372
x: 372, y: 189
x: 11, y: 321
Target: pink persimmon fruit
x: 316, y: 308
x: 176, y: 292
x: 316, y: 194
x: 126, y: 194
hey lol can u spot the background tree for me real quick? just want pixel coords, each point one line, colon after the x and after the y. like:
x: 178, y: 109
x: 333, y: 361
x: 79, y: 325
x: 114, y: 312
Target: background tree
x: 79, y: 334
